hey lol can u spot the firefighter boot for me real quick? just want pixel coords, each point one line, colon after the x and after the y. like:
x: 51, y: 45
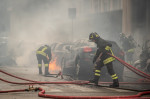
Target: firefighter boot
x: 115, y: 83
x: 95, y: 80
x: 40, y: 70
x: 46, y: 71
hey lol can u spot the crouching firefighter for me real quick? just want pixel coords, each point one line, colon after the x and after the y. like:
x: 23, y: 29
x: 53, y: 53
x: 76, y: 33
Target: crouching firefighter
x: 101, y: 58
x: 44, y: 53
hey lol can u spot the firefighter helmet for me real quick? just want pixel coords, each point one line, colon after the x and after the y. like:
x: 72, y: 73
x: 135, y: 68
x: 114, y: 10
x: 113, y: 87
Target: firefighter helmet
x: 46, y: 45
x: 93, y: 36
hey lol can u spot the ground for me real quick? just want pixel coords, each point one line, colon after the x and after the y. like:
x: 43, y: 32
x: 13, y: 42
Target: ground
x: 54, y: 89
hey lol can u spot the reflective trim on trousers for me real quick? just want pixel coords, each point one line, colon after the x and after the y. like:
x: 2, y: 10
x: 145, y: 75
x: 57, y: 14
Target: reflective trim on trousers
x: 97, y: 71
x: 46, y: 65
x: 97, y: 74
x: 114, y: 76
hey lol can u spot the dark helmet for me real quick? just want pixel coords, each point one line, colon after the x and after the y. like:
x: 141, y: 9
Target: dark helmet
x: 93, y: 36
x: 46, y: 45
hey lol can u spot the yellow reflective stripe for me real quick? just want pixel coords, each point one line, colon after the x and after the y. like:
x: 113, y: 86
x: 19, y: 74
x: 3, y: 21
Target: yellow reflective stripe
x: 40, y: 52
x: 96, y: 74
x: 46, y: 65
x: 111, y: 52
x: 115, y: 78
x: 96, y: 35
x: 39, y: 65
x: 131, y: 50
x: 44, y: 49
x: 108, y: 60
x: 107, y: 48
x: 113, y: 75
x: 97, y: 71
x: 91, y: 36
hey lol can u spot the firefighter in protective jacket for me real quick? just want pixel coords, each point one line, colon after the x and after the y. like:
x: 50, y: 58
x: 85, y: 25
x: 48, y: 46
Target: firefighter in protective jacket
x: 44, y: 53
x: 145, y: 56
x: 102, y: 58
x: 128, y: 45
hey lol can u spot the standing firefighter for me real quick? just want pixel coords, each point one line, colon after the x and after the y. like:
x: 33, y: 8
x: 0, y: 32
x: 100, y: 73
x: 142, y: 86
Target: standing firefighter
x: 44, y: 53
x: 101, y: 58
x: 128, y: 45
x: 145, y: 56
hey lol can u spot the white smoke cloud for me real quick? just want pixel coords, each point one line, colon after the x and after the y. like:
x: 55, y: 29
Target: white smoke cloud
x: 37, y: 22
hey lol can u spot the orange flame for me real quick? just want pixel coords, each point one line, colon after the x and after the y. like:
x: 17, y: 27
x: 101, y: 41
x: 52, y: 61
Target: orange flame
x: 53, y: 67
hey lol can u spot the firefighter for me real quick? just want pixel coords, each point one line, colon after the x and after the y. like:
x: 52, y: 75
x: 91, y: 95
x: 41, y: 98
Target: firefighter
x: 101, y: 58
x: 145, y: 55
x: 128, y: 45
x: 44, y: 53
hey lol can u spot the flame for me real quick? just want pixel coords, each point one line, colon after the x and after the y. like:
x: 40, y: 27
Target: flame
x: 53, y: 67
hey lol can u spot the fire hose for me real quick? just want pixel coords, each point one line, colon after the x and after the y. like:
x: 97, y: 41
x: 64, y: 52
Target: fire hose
x: 135, y: 70
x: 21, y: 90
x: 31, y: 83
x: 42, y: 93
x: 39, y: 82
x: 16, y: 76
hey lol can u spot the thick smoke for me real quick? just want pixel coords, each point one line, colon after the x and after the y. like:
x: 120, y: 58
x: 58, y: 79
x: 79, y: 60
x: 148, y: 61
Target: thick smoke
x: 34, y: 23
x: 37, y: 22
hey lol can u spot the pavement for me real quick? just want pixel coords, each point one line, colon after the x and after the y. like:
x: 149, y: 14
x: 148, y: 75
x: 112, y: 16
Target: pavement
x: 53, y: 89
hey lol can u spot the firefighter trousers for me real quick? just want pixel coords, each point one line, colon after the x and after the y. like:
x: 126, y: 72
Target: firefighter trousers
x: 100, y: 64
x: 41, y: 58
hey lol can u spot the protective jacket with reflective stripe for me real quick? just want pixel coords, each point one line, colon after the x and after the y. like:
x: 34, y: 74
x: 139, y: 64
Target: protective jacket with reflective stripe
x: 44, y: 50
x: 103, y: 47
